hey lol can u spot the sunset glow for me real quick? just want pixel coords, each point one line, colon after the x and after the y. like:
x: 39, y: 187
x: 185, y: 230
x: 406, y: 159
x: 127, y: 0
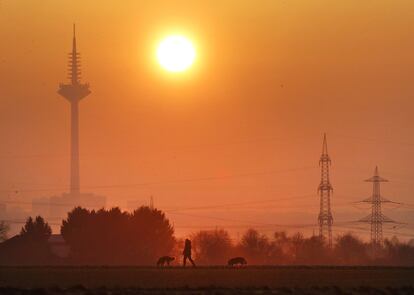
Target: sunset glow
x: 217, y: 109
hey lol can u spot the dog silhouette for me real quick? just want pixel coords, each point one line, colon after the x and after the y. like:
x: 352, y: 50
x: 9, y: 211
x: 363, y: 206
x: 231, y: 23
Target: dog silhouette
x: 237, y: 261
x: 165, y: 260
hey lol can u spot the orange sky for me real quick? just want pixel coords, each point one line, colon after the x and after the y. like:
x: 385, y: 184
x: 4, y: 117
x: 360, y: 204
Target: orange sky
x: 269, y: 80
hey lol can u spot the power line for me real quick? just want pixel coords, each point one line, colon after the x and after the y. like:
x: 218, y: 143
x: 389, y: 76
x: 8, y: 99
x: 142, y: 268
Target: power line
x: 230, y: 205
x: 365, y: 230
x: 184, y: 148
x: 248, y: 223
x: 185, y: 180
x: 376, y: 141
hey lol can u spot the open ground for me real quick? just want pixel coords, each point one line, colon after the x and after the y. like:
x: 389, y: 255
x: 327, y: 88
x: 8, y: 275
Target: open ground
x: 134, y: 280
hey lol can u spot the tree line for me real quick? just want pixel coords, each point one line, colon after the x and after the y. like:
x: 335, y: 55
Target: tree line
x: 214, y: 246
x: 114, y: 237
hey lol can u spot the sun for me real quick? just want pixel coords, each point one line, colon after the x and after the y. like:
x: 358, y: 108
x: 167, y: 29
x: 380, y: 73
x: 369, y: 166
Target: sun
x: 176, y: 53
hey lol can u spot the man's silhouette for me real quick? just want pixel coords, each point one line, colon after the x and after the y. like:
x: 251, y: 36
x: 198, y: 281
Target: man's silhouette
x: 187, y: 253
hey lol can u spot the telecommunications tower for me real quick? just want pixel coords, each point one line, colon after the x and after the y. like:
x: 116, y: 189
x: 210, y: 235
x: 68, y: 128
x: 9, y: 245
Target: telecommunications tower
x: 376, y: 218
x: 58, y: 206
x: 74, y: 91
x: 325, y: 190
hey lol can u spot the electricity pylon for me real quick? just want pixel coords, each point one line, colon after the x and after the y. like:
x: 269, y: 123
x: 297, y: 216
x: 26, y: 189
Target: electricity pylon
x: 325, y: 191
x: 376, y: 218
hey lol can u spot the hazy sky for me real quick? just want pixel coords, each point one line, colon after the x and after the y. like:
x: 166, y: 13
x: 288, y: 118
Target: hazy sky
x: 244, y: 124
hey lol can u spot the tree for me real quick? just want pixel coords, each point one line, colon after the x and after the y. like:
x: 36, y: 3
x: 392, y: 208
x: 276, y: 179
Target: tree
x: 36, y: 230
x: 281, y: 239
x: 397, y: 253
x: 4, y: 228
x: 350, y: 250
x: 116, y: 237
x: 282, y: 248
x: 212, y: 246
x: 256, y: 247
x: 312, y: 250
x: 31, y: 247
x: 296, y: 242
x: 76, y: 230
x: 96, y: 236
x: 150, y: 235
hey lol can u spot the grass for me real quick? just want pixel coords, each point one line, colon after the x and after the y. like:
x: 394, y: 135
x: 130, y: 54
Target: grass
x: 80, y: 290
x: 206, y: 280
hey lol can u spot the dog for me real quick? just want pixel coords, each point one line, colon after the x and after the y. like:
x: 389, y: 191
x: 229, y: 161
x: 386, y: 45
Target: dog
x: 237, y: 261
x: 165, y: 260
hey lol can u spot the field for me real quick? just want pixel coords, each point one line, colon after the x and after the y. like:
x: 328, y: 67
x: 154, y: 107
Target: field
x: 203, y: 280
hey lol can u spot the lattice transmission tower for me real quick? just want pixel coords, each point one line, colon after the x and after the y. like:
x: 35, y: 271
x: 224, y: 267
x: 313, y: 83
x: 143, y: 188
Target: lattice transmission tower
x: 376, y: 218
x: 325, y: 191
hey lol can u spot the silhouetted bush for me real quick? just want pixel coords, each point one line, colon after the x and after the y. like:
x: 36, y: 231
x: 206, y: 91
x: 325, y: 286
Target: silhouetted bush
x: 115, y: 237
x: 30, y: 247
x: 36, y: 230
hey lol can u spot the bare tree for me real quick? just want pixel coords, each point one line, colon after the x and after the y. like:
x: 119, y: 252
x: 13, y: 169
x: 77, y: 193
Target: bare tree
x: 256, y: 247
x: 350, y: 250
x: 212, y: 246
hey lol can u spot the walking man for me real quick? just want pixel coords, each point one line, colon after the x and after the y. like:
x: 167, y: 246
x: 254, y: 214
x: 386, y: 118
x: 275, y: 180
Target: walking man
x: 187, y: 252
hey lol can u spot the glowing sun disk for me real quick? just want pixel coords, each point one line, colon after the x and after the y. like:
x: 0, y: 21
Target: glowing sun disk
x: 176, y: 53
